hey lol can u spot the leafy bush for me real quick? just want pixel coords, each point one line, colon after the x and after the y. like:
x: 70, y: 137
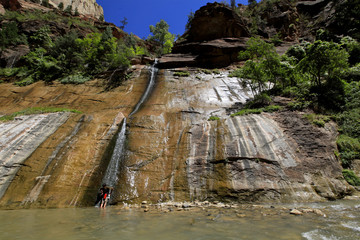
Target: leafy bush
x: 216, y: 71
x: 206, y: 71
x: 25, y: 81
x: 45, y: 3
x: 317, y: 119
x: 160, y: 33
x: 182, y: 74
x: 213, y: 118
x: 246, y: 111
x: 8, y: 72
x: 349, y: 149
x: 296, y: 51
x: 36, y: 110
x: 351, y: 177
x: 74, y: 79
x: 9, y: 35
x: 346, y: 143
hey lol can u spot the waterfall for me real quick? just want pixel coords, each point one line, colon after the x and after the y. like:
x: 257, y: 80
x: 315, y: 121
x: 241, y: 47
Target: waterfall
x: 149, y: 88
x: 111, y: 175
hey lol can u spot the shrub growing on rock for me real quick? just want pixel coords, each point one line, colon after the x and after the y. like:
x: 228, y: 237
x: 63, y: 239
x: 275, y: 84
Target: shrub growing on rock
x: 351, y: 177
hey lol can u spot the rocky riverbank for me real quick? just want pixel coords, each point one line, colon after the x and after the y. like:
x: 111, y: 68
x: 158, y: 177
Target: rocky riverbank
x: 214, y: 209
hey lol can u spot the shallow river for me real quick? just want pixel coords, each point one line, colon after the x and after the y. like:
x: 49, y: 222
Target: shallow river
x: 342, y: 221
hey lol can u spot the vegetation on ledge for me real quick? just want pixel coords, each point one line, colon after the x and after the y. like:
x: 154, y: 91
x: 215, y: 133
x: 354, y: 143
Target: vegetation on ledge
x: 36, y: 110
x: 322, y: 76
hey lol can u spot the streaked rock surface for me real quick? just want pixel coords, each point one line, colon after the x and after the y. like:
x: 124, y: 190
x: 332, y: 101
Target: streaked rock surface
x: 176, y: 154
x: 20, y: 138
x: 173, y: 152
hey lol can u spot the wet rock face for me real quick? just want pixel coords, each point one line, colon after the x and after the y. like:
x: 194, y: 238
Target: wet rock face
x: 175, y: 153
x: 58, y: 160
x: 20, y: 138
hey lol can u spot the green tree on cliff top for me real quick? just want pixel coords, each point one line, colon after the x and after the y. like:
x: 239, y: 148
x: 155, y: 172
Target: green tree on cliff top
x: 162, y: 35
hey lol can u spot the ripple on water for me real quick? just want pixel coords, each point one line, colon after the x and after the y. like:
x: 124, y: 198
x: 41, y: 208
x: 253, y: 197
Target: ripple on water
x: 318, y: 235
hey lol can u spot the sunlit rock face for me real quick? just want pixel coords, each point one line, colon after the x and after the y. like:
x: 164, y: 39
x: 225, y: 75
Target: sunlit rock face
x: 58, y: 160
x: 20, y: 138
x: 175, y: 153
x: 84, y: 7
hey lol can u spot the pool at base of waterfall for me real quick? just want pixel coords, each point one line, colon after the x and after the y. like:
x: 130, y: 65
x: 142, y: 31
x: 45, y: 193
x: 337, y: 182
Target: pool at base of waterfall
x: 337, y: 220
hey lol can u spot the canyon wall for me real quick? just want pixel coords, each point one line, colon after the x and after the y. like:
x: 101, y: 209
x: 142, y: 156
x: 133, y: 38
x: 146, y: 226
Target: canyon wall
x: 84, y: 7
x: 173, y: 151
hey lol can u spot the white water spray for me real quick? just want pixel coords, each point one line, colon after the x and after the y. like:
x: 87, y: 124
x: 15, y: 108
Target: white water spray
x: 111, y: 175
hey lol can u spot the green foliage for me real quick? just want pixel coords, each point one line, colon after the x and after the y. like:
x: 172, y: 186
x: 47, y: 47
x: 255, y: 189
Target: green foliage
x: 345, y: 11
x: 353, y: 48
x: 246, y: 111
x: 45, y: 3
x: 297, y: 51
x: 260, y: 100
x: 351, y: 177
x: 252, y: 3
x: 276, y: 40
x: 74, y: 79
x: 191, y: 16
x: 28, y: 80
x: 123, y: 22
x: 102, y: 52
x: 68, y: 9
x: 349, y: 122
x: 323, y: 61
x: 349, y: 119
x: 8, y: 72
x: 182, y: 74
x: 69, y: 58
x: 348, y: 144
x: 9, y: 35
x: 216, y: 71
x: 206, y: 71
x: 139, y: 50
x: 169, y: 43
x: 213, y: 118
x: 317, y: 119
x: 42, y: 38
x: 42, y: 67
x: 264, y: 67
x: 162, y: 35
x: 76, y: 12
x: 36, y: 110
x: 61, y: 6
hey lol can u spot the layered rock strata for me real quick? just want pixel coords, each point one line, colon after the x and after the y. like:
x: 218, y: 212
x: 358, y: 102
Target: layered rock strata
x: 20, y: 138
x: 175, y: 153
x: 214, y: 39
x: 65, y: 159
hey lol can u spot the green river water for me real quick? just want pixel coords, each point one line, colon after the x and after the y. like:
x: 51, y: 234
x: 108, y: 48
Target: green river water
x: 342, y: 221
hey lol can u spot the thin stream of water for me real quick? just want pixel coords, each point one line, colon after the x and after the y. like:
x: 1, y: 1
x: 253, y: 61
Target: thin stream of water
x: 111, y: 174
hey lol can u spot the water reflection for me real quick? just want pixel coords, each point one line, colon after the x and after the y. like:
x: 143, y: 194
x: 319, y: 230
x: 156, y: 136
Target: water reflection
x: 342, y: 222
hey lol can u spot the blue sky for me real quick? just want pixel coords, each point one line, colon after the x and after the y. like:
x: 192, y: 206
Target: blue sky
x: 143, y: 13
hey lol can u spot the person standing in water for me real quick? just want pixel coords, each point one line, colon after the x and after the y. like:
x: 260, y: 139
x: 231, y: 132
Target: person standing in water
x: 106, y: 191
